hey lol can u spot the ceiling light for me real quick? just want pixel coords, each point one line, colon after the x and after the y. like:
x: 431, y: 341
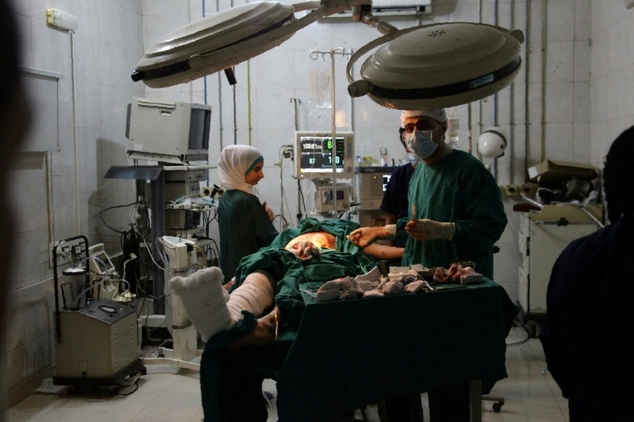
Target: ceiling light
x: 438, y: 65
x: 226, y: 38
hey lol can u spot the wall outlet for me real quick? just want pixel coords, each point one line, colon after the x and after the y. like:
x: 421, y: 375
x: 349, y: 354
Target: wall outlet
x: 60, y: 252
x: 67, y: 252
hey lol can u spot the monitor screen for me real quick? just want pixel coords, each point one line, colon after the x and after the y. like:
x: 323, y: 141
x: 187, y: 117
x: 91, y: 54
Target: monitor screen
x: 314, y: 155
x: 104, y: 265
x: 386, y: 180
x: 165, y: 131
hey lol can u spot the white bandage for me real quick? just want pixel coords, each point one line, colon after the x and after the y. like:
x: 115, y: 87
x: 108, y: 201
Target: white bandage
x: 255, y: 295
x: 391, y: 229
x: 204, y: 298
x: 209, y: 305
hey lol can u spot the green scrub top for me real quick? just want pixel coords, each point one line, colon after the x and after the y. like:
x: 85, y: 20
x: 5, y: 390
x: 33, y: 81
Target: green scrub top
x: 244, y: 228
x: 461, y: 190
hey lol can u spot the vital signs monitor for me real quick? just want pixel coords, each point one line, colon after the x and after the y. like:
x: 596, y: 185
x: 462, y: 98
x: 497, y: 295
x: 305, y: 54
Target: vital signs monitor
x: 313, y: 155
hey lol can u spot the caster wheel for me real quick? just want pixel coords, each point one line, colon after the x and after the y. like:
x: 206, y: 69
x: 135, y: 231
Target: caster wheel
x: 497, y: 407
x: 143, y: 370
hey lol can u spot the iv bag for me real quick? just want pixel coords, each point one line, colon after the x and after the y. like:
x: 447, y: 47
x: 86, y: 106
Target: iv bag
x: 453, y: 125
x: 320, y: 83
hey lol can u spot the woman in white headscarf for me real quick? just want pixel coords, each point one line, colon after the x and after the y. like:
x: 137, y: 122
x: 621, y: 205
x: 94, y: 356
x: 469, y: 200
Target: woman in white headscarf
x: 245, y: 225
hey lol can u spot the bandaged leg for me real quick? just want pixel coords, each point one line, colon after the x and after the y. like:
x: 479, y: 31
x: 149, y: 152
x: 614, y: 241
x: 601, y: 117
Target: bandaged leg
x: 211, y: 309
x: 204, y: 299
x: 255, y: 294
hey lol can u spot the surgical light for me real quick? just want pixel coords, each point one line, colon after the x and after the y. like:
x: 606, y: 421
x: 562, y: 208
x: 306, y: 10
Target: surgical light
x: 438, y: 65
x: 226, y: 38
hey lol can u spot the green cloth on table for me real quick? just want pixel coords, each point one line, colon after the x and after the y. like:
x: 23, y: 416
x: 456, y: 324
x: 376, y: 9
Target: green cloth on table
x: 348, y: 354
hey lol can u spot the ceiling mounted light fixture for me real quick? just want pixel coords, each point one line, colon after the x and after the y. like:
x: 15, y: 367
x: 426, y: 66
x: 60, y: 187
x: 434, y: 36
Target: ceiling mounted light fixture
x: 226, y: 38
x: 437, y: 65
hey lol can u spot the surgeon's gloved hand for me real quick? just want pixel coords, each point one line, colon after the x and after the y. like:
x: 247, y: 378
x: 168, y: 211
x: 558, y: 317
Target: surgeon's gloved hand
x: 425, y: 229
x: 364, y: 236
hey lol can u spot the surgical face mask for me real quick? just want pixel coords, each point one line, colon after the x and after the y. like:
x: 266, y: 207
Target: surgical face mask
x: 420, y: 141
x: 413, y: 159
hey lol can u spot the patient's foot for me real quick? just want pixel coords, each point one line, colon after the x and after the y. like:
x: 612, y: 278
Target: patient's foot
x: 263, y: 334
x: 204, y: 299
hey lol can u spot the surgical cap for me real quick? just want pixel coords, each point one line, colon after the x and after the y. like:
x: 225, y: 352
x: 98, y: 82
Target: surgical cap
x: 234, y: 163
x: 438, y: 114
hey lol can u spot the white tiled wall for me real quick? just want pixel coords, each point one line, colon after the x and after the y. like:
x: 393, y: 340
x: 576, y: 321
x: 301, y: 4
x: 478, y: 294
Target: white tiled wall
x: 55, y: 192
x: 576, y: 84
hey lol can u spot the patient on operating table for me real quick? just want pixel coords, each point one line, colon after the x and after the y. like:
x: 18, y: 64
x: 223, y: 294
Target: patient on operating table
x: 249, y: 331
x: 212, y: 309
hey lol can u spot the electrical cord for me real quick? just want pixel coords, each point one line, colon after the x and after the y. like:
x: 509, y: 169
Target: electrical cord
x: 285, y: 150
x: 214, y: 249
x: 518, y: 323
x: 209, y: 217
x: 203, y: 255
x: 135, y: 384
x: 163, y: 343
x: 101, y: 215
x: 300, y: 193
x: 141, y: 306
x: 147, y: 248
x: 145, y: 294
x: 283, y: 221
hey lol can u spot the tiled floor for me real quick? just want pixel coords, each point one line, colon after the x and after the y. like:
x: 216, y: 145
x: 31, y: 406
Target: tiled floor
x: 168, y: 394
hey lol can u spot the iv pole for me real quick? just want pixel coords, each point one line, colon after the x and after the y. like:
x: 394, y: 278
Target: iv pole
x: 314, y: 55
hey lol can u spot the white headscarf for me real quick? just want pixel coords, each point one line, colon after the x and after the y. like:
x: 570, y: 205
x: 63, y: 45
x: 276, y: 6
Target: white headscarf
x: 234, y: 163
x: 438, y: 114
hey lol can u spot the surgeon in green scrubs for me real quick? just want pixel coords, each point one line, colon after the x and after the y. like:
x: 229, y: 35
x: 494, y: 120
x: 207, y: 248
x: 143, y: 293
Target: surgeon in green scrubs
x: 456, y: 211
x: 245, y: 224
x: 455, y: 214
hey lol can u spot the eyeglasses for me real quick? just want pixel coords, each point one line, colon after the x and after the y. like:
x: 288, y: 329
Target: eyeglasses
x: 420, y: 125
x: 401, y: 131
